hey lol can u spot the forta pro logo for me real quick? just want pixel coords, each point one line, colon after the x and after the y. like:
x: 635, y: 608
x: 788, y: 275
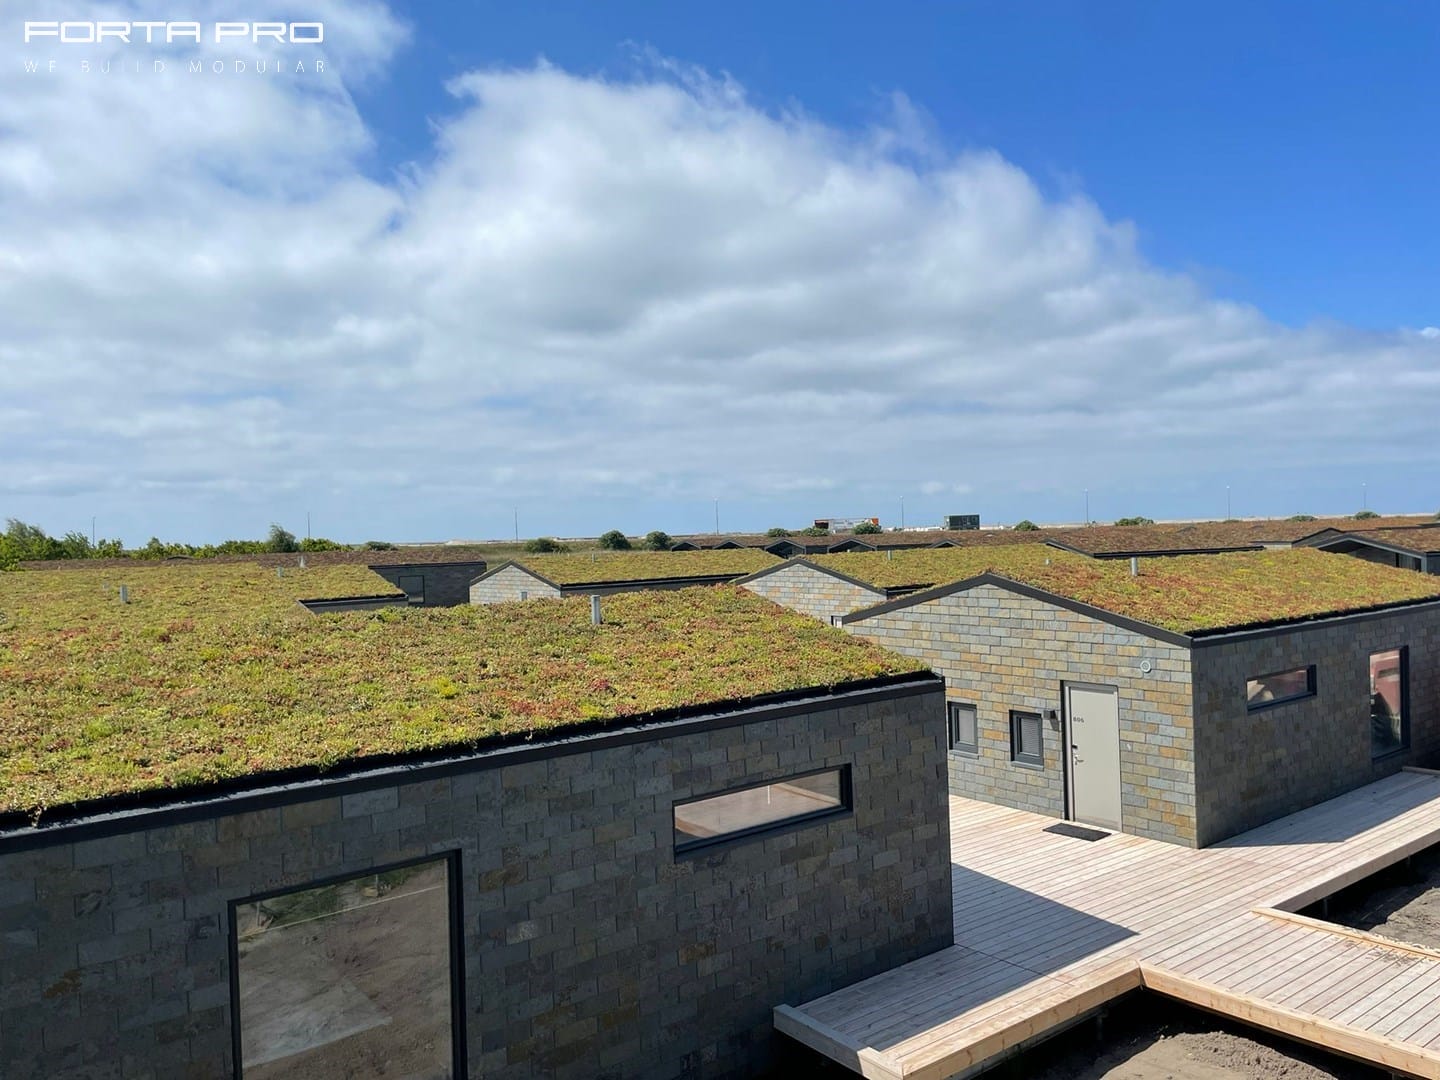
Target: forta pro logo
x: 81, y: 32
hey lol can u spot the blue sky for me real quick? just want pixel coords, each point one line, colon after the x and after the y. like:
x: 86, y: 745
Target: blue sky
x: 1283, y: 152
x: 607, y: 263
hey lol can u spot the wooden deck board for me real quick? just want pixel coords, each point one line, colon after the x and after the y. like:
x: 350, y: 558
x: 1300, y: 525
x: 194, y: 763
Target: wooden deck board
x: 1050, y: 927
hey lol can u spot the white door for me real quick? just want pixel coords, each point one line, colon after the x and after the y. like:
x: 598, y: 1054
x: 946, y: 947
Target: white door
x: 1092, y: 722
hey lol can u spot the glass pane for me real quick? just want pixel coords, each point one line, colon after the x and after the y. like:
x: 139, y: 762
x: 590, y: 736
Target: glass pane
x: 962, y: 727
x: 1387, y: 703
x: 1277, y: 687
x: 736, y: 811
x: 351, y: 979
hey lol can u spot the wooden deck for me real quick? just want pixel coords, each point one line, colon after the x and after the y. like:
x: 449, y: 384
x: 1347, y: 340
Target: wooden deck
x: 1048, y: 928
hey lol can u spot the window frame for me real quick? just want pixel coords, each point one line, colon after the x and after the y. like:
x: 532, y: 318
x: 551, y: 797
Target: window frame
x: 1404, y: 657
x: 456, y: 949
x: 705, y: 843
x: 1017, y: 755
x: 1311, y: 688
x: 400, y: 580
x: 952, y: 729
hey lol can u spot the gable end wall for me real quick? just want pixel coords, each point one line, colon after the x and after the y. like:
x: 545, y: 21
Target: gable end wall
x: 507, y: 584
x: 1002, y: 651
x: 805, y: 589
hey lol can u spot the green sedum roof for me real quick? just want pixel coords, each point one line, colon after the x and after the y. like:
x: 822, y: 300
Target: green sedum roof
x: 588, y: 568
x: 214, y: 673
x: 1188, y: 594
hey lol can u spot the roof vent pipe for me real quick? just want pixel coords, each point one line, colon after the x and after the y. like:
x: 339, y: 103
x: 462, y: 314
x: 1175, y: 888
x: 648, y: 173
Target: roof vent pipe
x: 595, y: 611
x: 124, y: 594
x: 302, y: 562
x: 1134, y: 566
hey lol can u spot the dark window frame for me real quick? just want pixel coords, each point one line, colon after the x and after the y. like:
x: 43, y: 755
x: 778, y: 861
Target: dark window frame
x: 705, y: 843
x: 1311, y: 684
x: 1019, y: 756
x: 457, y: 947
x: 1404, y: 747
x: 952, y: 726
x: 400, y: 580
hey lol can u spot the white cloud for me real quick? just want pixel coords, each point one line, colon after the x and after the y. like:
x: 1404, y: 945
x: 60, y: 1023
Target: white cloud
x: 645, y: 289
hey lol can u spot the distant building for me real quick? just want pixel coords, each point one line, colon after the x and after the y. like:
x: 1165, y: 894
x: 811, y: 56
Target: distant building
x: 844, y: 524
x: 962, y: 521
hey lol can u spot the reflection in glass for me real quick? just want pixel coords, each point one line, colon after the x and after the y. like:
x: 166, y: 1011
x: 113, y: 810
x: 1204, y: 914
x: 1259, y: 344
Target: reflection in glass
x: 1387, y: 702
x: 799, y: 797
x: 349, y: 979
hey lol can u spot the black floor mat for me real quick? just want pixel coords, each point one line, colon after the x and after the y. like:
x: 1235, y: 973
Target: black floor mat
x: 1079, y: 832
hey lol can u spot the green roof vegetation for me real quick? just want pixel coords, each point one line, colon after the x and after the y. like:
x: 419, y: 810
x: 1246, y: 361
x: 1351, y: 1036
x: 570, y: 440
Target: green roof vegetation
x: 1189, y: 594
x: 580, y: 569
x: 213, y: 673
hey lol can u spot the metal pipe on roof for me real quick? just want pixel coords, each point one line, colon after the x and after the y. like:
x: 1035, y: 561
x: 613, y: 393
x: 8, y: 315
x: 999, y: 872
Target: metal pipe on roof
x: 1134, y: 566
x: 595, y: 610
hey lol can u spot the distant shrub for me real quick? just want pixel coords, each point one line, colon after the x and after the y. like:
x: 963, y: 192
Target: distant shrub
x: 281, y: 540
x: 777, y: 532
x: 379, y: 545
x: 1026, y: 525
x: 614, y: 540
x: 319, y: 543
x: 1365, y: 515
x: 1135, y: 521
x: 655, y: 540
x: 866, y: 528
x: 814, y: 530
x: 1301, y: 517
x: 544, y: 545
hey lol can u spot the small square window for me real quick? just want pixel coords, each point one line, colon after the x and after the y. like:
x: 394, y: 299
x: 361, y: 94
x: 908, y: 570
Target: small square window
x: 964, y: 729
x: 837, y: 620
x: 1027, y: 744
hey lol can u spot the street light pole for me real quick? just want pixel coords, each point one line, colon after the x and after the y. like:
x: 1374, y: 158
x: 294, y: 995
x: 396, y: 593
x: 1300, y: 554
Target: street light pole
x: 517, y: 524
x: 1087, y: 506
x: 902, y: 513
x: 1227, y: 502
x: 717, y: 517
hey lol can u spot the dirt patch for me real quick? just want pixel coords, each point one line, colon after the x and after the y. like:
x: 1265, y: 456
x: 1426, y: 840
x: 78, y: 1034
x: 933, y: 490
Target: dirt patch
x: 1402, y: 903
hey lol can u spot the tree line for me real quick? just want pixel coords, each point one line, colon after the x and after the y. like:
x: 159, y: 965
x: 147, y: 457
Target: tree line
x: 23, y: 542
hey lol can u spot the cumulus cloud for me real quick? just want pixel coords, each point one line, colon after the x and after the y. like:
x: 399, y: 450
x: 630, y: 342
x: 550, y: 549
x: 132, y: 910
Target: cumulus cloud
x: 643, y: 290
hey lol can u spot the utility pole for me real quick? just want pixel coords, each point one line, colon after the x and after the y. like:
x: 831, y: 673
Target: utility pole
x: 1228, y: 515
x: 1087, y: 506
x: 1364, y: 495
x: 717, y: 517
x: 517, y: 524
x: 307, y: 524
x: 92, y: 530
x: 902, y: 513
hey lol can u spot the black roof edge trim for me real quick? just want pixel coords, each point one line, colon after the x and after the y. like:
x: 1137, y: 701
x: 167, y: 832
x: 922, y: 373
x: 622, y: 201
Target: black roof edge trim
x: 113, y: 816
x: 516, y: 563
x: 807, y: 560
x: 425, y: 565
x: 1223, y: 635
x: 352, y: 599
x: 635, y: 584
x: 1365, y: 541
x: 1171, y: 553
x: 1099, y: 614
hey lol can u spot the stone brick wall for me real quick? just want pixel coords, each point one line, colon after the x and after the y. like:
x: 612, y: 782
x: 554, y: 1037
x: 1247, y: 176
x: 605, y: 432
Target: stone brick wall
x: 1001, y: 651
x: 442, y: 584
x: 1252, y: 767
x: 507, y: 584
x: 814, y: 592
x: 591, y: 949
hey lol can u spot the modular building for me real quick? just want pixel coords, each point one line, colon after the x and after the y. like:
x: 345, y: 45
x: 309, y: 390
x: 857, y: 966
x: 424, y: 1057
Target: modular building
x: 602, y: 573
x: 1196, y: 698
x: 614, y: 870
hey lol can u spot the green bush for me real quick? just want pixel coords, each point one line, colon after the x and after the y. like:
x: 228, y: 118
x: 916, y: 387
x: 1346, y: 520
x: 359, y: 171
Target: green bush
x: 1301, y: 517
x: 777, y: 531
x: 281, y: 540
x: 379, y: 545
x: 1135, y: 521
x: 1365, y: 515
x: 866, y: 528
x: 1026, y: 525
x: 655, y: 540
x: 814, y: 531
x: 614, y: 540
x: 544, y: 545
x: 319, y: 543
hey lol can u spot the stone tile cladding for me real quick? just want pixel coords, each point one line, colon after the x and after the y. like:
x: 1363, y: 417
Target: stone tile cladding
x: 507, y: 584
x: 1001, y: 651
x: 591, y: 949
x: 806, y: 589
x: 445, y: 585
x: 1252, y: 767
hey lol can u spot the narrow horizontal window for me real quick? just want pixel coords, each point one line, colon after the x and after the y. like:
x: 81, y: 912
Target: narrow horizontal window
x: 1027, y: 744
x: 761, y: 807
x: 964, y: 728
x: 1265, y: 690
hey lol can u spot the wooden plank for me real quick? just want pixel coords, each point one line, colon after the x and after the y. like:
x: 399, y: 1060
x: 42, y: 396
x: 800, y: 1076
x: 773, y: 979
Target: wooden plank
x: 1305, y: 1027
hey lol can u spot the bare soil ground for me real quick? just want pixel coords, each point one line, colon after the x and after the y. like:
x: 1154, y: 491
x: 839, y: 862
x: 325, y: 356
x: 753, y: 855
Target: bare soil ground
x: 1402, y: 903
